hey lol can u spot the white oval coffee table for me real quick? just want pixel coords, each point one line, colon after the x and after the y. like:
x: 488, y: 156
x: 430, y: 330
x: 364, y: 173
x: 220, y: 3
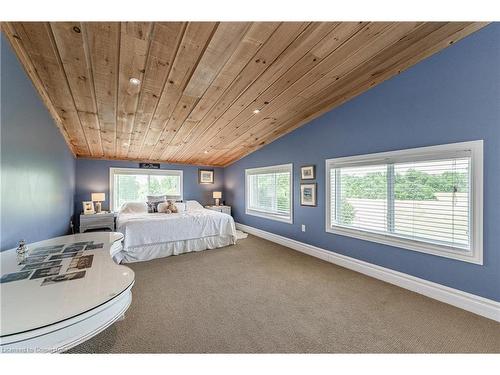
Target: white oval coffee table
x: 55, y: 306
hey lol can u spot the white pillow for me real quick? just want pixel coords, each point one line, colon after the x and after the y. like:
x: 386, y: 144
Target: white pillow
x: 162, y: 207
x: 134, y: 208
x: 193, y: 206
x: 181, y: 207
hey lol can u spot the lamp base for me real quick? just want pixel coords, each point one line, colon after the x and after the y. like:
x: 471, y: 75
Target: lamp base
x: 217, y: 201
x: 97, y: 207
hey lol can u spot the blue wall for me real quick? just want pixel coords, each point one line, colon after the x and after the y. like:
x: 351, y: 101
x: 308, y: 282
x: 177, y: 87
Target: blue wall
x: 92, y: 176
x: 453, y: 96
x: 37, y: 168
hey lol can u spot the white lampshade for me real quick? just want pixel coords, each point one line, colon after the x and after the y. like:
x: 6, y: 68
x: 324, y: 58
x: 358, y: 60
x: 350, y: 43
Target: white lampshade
x: 217, y: 194
x: 98, y: 197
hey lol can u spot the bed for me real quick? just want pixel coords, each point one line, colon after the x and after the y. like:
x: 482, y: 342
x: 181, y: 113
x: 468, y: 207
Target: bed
x: 156, y: 235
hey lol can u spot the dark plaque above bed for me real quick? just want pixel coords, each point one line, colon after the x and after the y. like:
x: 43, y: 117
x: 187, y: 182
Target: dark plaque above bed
x: 149, y: 165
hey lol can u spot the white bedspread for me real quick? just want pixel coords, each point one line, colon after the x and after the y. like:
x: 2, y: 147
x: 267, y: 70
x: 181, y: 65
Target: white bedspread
x: 140, y: 229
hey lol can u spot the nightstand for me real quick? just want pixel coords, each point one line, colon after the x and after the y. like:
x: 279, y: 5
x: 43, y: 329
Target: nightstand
x: 223, y: 209
x: 97, y: 221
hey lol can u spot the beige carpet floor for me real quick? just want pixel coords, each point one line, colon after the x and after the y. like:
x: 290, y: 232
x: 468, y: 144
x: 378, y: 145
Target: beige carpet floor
x: 260, y: 297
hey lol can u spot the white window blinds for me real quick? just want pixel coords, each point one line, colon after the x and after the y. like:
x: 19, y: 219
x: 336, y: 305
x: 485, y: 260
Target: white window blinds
x: 418, y: 199
x: 269, y: 192
x: 360, y: 196
x: 431, y: 201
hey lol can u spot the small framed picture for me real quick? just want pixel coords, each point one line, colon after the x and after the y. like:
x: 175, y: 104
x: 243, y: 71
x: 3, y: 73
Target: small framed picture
x: 88, y: 208
x: 308, y: 172
x: 308, y: 194
x: 205, y: 176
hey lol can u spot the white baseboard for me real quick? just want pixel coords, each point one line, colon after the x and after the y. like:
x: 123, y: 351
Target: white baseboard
x: 467, y: 301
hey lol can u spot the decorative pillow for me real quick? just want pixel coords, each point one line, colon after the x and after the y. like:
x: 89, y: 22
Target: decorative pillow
x: 154, y: 201
x: 153, y: 207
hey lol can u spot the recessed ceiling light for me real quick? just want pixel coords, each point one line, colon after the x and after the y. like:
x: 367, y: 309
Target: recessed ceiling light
x: 256, y: 111
x: 205, y: 152
x: 135, y: 81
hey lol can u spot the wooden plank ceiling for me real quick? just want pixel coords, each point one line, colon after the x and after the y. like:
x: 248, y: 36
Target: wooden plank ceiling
x: 209, y: 93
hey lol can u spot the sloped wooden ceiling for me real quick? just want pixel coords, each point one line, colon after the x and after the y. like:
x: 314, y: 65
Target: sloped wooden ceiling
x: 209, y: 93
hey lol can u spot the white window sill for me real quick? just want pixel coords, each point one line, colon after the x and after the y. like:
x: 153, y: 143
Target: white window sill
x: 264, y: 215
x: 475, y: 257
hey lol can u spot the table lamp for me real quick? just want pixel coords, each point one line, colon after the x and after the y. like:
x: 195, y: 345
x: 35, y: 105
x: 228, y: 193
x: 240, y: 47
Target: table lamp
x: 98, y: 198
x: 217, y: 195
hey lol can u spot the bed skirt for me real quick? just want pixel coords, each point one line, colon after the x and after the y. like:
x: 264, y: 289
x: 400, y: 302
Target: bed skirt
x: 166, y: 249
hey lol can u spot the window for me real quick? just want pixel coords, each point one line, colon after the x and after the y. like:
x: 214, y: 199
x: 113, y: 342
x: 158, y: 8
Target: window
x: 269, y: 192
x: 425, y: 199
x: 134, y: 185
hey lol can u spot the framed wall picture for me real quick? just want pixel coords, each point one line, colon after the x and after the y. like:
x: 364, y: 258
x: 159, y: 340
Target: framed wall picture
x: 308, y: 194
x: 88, y: 208
x: 205, y: 176
x: 308, y: 172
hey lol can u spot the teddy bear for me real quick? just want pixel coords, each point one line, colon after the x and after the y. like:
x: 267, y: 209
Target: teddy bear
x: 171, y: 207
x: 168, y: 207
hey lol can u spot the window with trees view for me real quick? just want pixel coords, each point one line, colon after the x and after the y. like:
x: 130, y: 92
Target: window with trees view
x: 427, y: 199
x: 269, y: 192
x: 134, y: 185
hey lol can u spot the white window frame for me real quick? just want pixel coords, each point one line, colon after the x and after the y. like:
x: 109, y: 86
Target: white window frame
x: 475, y: 255
x: 263, y: 214
x: 136, y: 171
